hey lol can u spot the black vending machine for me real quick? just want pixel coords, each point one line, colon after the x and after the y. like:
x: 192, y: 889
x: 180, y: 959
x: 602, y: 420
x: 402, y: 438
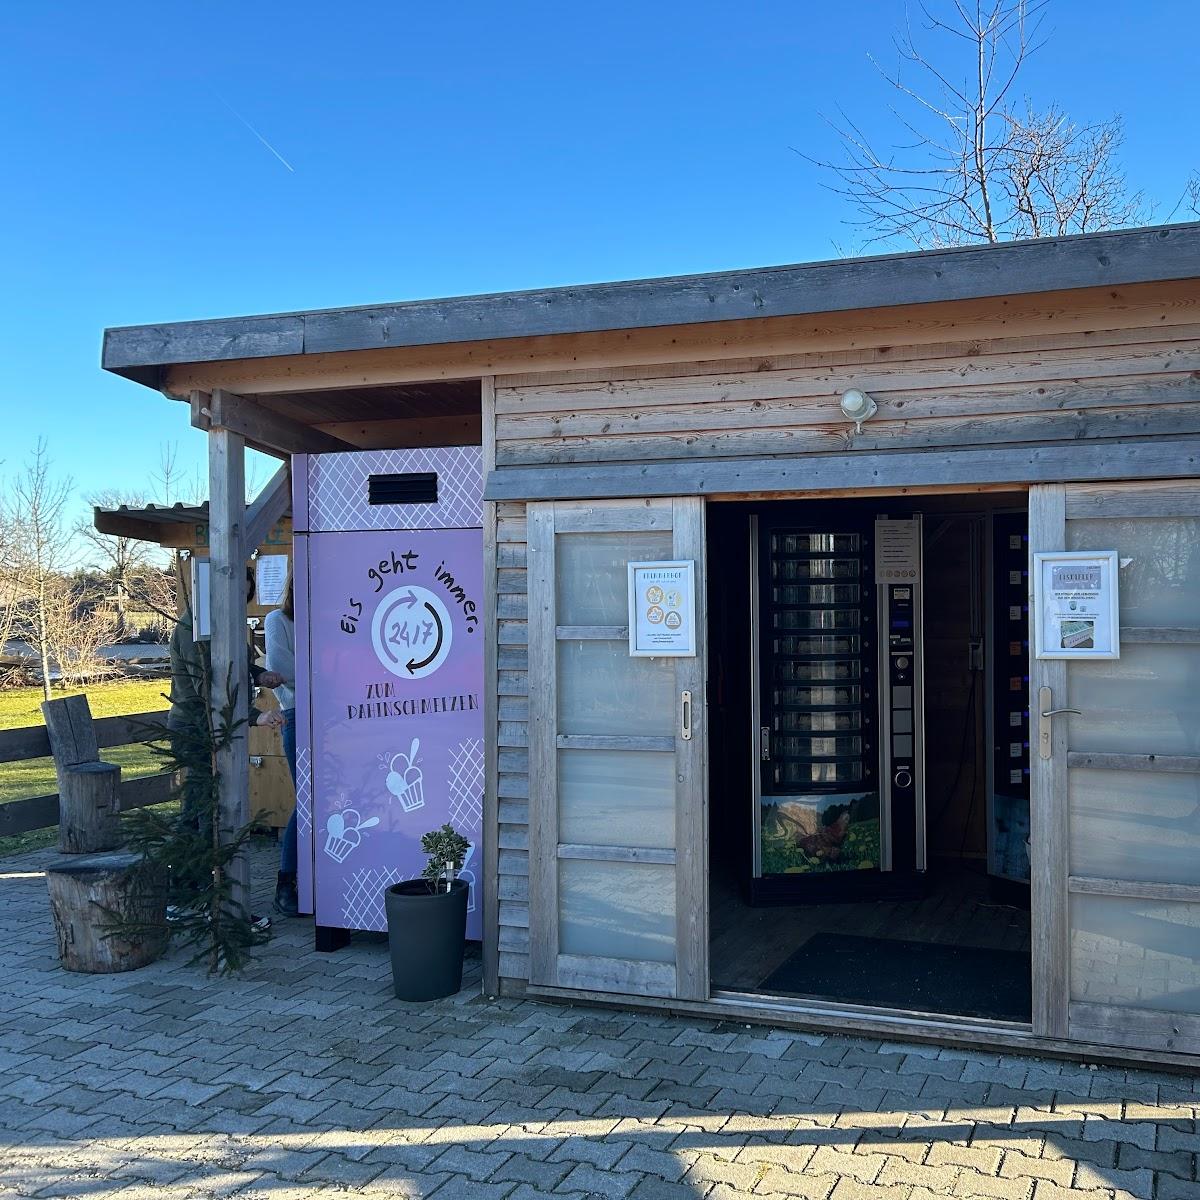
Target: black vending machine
x: 836, y: 681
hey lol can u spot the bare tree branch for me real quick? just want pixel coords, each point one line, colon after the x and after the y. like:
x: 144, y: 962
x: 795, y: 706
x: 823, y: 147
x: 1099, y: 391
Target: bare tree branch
x: 978, y: 165
x: 133, y: 569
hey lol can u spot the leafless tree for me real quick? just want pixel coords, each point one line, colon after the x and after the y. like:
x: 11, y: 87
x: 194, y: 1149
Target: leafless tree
x: 10, y: 588
x: 140, y: 574
x: 121, y: 559
x: 153, y: 591
x: 39, y: 555
x: 78, y: 624
x: 977, y: 162
x: 176, y: 486
x: 168, y: 471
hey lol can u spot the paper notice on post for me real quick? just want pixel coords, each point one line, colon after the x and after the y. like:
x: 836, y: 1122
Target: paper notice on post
x: 270, y: 578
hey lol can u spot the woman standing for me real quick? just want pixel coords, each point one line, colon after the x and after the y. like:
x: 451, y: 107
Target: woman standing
x: 281, y: 659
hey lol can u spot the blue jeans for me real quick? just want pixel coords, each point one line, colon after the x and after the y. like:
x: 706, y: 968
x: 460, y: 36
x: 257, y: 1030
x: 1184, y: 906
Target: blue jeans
x: 287, y: 848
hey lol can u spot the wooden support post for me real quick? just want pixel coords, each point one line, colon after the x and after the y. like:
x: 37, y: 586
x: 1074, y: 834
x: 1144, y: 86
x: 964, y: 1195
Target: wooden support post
x: 230, y: 674
x: 491, y: 785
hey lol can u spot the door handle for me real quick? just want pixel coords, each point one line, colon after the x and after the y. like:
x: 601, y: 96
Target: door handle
x: 685, y: 716
x: 1046, y: 711
x: 764, y: 743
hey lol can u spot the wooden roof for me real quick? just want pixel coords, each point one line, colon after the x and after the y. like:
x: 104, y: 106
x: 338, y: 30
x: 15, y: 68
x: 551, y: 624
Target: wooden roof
x: 150, y: 522
x: 1128, y: 256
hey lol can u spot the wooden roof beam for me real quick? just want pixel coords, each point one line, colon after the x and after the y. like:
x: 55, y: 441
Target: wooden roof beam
x: 273, y: 502
x: 270, y: 432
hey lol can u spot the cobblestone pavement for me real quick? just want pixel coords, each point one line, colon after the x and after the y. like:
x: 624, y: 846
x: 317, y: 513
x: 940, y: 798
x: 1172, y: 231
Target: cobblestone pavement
x: 306, y: 1078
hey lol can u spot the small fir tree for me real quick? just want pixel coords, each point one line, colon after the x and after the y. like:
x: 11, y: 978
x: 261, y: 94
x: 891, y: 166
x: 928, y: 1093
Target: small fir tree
x: 185, y: 858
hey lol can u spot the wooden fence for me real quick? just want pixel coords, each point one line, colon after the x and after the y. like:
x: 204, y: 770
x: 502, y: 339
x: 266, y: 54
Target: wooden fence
x: 40, y: 812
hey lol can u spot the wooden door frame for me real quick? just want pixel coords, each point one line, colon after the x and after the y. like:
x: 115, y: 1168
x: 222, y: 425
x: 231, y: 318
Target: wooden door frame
x: 1049, y: 833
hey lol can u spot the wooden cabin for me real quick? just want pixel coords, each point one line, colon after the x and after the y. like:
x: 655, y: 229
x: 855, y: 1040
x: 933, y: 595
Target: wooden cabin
x: 892, y: 788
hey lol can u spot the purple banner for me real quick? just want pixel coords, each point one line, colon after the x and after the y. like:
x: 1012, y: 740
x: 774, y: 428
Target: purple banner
x: 395, y: 680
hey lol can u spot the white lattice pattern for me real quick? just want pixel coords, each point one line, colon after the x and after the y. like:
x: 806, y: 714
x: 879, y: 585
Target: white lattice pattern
x: 362, y: 901
x: 466, y: 789
x: 337, y: 489
x: 303, y: 792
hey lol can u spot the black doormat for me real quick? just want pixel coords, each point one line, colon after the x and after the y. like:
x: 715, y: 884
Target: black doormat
x: 924, y: 976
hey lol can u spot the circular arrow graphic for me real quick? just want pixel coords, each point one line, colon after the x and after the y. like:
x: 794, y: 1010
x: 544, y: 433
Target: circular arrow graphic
x: 411, y: 632
x: 412, y: 666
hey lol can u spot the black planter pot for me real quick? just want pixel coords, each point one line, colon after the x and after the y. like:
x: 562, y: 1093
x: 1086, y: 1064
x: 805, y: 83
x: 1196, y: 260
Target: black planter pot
x: 427, y: 934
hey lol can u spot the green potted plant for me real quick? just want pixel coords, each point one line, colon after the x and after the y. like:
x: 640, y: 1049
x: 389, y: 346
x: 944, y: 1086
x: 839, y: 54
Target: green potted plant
x: 427, y: 921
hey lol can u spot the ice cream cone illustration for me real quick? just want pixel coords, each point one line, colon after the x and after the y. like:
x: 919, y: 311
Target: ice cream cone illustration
x: 344, y: 831
x: 406, y: 781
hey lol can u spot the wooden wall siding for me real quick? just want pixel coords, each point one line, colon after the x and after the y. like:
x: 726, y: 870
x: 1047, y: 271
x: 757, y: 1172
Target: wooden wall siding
x: 997, y: 391
x: 512, y: 686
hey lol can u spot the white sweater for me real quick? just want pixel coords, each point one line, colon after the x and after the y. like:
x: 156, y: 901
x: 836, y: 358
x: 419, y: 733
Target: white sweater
x: 281, y: 654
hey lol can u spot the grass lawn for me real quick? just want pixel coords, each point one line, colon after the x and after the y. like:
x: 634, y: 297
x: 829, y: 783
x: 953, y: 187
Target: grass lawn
x: 21, y: 707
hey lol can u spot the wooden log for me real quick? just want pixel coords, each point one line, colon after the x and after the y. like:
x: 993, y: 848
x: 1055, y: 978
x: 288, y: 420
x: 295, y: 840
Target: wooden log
x: 89, y: 808
x: 71, y: 732
x: 87, y: 899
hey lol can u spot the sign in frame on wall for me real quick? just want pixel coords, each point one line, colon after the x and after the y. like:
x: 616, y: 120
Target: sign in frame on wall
x: 201, y: 569
x: 1076, y: 612
x: 662, y: 609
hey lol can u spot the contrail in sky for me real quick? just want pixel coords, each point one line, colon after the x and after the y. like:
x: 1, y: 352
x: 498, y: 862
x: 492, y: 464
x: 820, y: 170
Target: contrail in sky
x: 255, y: 132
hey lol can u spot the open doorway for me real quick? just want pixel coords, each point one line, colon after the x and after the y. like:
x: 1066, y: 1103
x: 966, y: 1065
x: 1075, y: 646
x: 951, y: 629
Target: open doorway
x: 869, y: 754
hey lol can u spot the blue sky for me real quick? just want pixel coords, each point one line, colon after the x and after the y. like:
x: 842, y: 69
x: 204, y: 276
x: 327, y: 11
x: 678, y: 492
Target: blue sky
x: 442, y: 149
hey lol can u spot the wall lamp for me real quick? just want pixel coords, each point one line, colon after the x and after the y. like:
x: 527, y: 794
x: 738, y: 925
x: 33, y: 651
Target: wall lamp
x: 858, y: 407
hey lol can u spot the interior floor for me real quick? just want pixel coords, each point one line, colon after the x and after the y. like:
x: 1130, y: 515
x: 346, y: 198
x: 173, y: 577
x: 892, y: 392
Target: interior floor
x: 749, y: 945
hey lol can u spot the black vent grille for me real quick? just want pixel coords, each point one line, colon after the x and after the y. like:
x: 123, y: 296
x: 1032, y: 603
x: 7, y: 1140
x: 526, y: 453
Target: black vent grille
x: 417, y: 487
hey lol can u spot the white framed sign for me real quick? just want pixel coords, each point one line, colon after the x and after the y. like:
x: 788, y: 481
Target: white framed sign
x: 1076, y: 612
x: 662, y: 609
x: 201, y: 579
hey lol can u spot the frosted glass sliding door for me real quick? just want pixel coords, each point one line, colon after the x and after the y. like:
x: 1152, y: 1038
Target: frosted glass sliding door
x: 1122, y: 782
x: 617, y: 766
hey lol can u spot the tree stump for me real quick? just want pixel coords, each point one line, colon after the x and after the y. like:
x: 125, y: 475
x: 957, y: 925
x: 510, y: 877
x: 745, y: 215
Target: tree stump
x: 88, y: 898
x: 89, y: 808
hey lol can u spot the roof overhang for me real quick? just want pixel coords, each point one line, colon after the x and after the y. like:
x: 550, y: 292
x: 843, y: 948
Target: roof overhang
x: 151, y: 523
x: 1119, y: 258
